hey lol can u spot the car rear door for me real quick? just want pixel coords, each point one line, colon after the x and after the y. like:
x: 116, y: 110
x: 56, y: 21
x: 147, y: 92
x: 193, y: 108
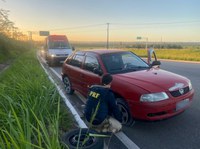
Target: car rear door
x: 74, y: 71
x: 89, y: 77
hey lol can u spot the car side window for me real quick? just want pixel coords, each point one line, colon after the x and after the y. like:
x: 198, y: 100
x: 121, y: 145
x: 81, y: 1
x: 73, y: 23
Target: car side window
x: 113, y: 62
x: 77, y: 60
x: 91, y: 63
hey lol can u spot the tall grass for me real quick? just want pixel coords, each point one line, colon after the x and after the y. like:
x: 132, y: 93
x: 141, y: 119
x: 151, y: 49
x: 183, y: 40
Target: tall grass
x: 31, y: 111
x: 11, y: 48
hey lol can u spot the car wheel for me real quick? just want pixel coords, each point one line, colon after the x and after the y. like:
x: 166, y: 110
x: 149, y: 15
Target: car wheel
x: 79, y: 138
x: 68, y: 86
x: 126, y: 116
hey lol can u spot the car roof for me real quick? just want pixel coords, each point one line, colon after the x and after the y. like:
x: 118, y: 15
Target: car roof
x: 100, y: 51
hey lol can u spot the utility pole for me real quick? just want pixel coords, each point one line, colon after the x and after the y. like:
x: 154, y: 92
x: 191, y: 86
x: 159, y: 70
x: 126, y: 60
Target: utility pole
x: 146, y: 42
x: 107, y: 35
x: 160, y: 42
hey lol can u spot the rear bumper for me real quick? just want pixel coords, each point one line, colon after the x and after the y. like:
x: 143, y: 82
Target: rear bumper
x: 161, y: 110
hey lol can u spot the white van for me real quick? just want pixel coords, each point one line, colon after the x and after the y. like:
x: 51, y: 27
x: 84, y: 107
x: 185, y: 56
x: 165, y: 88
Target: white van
x: 57, y: 49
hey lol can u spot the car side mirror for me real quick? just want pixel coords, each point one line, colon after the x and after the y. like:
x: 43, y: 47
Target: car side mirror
x: 155, y: 63
x: 97, y: 71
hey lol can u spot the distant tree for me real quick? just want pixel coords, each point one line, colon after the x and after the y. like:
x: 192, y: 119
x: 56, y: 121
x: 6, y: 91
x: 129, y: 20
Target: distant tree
x: 6, y: 25
x: 12, y: 41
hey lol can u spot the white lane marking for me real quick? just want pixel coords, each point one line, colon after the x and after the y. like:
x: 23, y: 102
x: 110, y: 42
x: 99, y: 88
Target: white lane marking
x: 56, y: 73
x: 69, y: 105
x: 77, y: 94
x: 126, y: 141
x: 74, y: 112
x: 120, y: 135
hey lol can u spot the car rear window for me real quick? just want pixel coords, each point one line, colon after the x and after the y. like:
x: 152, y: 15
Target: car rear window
x: 77, y: 60
x: 91, y: 63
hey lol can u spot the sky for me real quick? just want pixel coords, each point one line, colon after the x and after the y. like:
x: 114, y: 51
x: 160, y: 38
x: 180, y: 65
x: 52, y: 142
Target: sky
x: 120, y: 20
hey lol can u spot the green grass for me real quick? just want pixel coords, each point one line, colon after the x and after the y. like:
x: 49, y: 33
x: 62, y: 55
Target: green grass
x: 11, y: 48
x: 187, y: 54
x: 32, y: 113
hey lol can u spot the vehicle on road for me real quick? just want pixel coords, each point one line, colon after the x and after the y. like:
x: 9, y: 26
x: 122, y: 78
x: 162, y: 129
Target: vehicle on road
x: 143, y: 90
x: 56, y: 49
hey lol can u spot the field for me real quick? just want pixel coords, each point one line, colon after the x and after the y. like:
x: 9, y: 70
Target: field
x: 179, y: 51
x: 173, y: 54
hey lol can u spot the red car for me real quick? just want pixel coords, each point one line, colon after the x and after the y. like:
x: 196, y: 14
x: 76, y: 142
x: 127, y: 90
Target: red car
x: 142, y: 90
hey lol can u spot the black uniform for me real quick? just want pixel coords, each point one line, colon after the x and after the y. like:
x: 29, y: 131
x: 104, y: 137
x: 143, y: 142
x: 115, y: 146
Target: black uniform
x: 103, y: 101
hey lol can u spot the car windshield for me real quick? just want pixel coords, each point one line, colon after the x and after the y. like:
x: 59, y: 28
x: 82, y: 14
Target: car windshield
x: 122, y: 62
x: 59, y: 45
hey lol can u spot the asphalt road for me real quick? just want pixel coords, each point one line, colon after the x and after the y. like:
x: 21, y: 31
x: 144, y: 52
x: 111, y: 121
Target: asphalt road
x: 179, y: 132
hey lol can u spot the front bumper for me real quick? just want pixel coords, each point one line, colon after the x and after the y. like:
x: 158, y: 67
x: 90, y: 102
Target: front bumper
x: 57, y: 59
x: 161, y: 110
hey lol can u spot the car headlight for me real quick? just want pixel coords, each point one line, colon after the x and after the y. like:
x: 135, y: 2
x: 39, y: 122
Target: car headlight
x: 52, y: 55
x: 190, y: 85
x: 154, y: 97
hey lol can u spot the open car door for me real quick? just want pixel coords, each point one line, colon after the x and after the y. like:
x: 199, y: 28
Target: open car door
x: 152, y: 59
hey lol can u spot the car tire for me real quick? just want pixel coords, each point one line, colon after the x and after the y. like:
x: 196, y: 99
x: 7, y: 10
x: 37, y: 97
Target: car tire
x: 127, y: 119
x: 74, y: 139
x: 68, y: 85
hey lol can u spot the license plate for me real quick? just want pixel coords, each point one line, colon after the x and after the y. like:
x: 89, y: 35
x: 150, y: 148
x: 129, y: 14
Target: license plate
x: 181, y: 104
